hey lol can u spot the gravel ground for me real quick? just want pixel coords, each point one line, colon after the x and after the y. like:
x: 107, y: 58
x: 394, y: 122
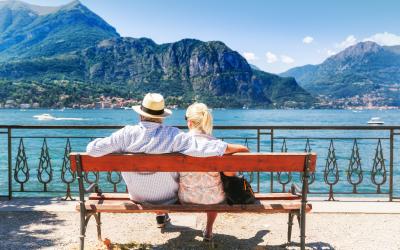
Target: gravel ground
x: 60, y: 230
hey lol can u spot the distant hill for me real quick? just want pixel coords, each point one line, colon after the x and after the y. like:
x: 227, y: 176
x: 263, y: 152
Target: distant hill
x: 28, y: 31
x: 365, y: 69
x: 42, y: 46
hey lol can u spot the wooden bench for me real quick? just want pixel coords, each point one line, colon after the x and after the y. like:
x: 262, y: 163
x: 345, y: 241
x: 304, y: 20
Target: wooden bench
x: 294, y: 203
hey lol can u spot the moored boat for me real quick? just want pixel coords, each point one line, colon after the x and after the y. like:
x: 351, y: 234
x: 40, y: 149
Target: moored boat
x: 376, y: 120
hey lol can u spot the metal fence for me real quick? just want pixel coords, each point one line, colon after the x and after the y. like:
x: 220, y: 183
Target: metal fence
x: 352, y: 160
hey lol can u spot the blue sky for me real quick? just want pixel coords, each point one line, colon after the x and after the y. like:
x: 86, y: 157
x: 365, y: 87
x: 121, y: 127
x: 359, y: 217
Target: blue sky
x: 274, y: 35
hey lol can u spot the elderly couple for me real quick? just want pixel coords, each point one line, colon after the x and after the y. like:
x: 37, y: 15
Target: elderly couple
x: 151, y: 137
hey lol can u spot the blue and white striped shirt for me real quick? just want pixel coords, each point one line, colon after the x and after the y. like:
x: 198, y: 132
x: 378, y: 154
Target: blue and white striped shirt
x: 154, y: 138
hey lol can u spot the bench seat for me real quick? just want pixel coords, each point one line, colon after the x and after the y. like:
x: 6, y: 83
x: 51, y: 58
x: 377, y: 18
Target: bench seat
x: 127, y: 206
x: 259, y: 196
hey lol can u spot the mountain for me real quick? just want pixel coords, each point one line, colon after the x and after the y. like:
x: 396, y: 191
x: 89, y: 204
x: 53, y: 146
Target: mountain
x: 69, y: 47
x: 254, y: 66
x: 364, y: 70
x: 28, y: 31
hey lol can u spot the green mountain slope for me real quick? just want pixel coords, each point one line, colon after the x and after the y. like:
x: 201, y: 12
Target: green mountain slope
x: 75, y: 46
x: 29, y: 31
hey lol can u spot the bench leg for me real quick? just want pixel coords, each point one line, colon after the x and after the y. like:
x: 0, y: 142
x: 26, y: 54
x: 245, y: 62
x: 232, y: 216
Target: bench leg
x: 303, y: 230
x: 290, y: 224
x: 98, y: 223
x: 82, y: 231
x: 84, y: 221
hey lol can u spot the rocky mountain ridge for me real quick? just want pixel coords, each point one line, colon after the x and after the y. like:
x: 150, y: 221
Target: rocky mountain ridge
x: 75, y: 45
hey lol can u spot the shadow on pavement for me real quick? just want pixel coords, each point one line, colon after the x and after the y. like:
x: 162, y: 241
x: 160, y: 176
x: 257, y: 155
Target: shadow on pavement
x: 192, y: 239
x: 20, y: 230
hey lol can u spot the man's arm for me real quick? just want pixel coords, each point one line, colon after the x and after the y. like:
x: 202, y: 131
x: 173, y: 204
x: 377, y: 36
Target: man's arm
x: 111, y: 144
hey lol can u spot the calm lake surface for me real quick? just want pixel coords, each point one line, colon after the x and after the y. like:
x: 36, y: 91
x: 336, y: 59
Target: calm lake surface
x: 320, y: 141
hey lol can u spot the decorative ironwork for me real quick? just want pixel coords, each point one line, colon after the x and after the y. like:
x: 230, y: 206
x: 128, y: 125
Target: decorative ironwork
x: 284, y: 178
x: 250, y: 175
x: 331, y: 171
x: 307, y: 148
x: 87, y: 175
x: 354, y: 171
x: 67, y: 175
x: 95, y: 175
x: 381, y: 178
x: 284, y: 147
x: 21, y: 170
x: 378, y: 172
x: 45, y: 170
x: 311, y: 176
x: 114, y: 181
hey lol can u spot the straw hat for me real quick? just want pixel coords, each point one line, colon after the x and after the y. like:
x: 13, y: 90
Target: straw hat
x: 153, y: 106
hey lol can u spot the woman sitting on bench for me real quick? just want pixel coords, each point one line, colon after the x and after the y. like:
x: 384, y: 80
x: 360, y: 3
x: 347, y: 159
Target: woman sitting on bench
x: 202, y: 187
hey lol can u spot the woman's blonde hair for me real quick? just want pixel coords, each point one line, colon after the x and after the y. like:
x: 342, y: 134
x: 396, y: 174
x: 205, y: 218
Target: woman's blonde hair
x: 201, y: 118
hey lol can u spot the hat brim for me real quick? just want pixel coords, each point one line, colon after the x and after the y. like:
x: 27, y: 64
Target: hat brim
x: 137, y: 109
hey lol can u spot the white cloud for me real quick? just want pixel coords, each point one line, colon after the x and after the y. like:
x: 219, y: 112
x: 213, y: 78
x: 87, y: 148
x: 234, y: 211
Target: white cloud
x: 349, y: 41
x: 308, y: 40
x: 250, y: 56
x: 287, y: 59
x: 385, y: 38
x: 271, y: 57
x: 330, y: 52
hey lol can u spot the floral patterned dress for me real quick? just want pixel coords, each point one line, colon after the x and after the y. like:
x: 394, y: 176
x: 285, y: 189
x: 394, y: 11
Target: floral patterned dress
x: 201, y: 187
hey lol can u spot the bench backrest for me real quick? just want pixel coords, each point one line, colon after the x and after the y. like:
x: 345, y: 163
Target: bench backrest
x: 251, y: 162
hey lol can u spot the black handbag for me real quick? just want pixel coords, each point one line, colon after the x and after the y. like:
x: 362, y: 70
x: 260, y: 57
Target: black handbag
x: 237, y: 190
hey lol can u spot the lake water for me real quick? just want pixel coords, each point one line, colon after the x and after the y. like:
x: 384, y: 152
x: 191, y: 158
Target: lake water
x: 284, y: 139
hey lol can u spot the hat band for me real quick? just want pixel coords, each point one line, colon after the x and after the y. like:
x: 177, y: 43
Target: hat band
x: 152, y: 111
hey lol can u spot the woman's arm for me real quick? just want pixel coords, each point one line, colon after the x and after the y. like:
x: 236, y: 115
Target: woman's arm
x: 235, y: 148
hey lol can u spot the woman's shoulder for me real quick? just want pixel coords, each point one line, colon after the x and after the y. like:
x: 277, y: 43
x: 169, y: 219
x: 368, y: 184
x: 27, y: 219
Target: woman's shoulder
x: 203, y: 136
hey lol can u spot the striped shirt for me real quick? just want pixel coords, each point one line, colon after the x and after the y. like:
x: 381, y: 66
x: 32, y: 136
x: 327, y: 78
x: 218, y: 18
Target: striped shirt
x: 153, y: 138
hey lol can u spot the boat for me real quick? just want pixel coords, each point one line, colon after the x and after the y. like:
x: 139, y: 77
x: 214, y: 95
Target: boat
x: 376, y: 120
x: 44, y: 117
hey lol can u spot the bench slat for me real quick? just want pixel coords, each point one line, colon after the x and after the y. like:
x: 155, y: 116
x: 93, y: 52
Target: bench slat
x: 260, y: 162
x: 259, y: 196
x: 265, y: 206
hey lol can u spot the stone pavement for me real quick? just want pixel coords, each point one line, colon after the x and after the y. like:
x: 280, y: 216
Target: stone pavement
x: 42, y: 223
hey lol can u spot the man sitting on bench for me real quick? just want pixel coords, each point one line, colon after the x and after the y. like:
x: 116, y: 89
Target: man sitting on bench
x: 151, y: 137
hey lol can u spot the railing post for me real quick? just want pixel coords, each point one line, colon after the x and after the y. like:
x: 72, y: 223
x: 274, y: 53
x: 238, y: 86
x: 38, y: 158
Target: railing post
x: 272, y: 150
x: 258, y: 150
x: 9, y: 158
x: 391, y: 165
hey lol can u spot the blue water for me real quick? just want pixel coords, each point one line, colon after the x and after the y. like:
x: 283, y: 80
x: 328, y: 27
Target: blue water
x: 295, y: 141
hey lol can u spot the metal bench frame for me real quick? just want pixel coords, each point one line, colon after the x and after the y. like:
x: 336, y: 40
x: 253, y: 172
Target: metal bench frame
x: 85, y: 214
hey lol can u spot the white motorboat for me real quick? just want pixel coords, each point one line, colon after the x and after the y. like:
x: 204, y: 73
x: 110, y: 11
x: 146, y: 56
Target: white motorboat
x: 376, y: 120
x: 43, y: 117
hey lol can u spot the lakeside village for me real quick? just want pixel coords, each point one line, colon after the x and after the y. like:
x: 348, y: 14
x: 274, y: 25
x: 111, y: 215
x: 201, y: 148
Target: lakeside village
x: 101, y: 103
x: 367, y: 101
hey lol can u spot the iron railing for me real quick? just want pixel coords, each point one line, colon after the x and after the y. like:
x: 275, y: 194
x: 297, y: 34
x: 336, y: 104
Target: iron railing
x: 352, y: 160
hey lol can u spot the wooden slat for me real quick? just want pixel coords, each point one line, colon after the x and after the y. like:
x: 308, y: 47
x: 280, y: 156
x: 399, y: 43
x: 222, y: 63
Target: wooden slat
x: 109, y: 206
x: 259, y: 196
x: 260, y: 162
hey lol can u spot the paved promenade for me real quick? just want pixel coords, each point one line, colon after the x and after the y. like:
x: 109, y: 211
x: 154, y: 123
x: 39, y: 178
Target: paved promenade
x: 43, y: 223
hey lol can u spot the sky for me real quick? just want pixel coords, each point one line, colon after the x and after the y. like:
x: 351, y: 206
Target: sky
x: 274, y: 35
